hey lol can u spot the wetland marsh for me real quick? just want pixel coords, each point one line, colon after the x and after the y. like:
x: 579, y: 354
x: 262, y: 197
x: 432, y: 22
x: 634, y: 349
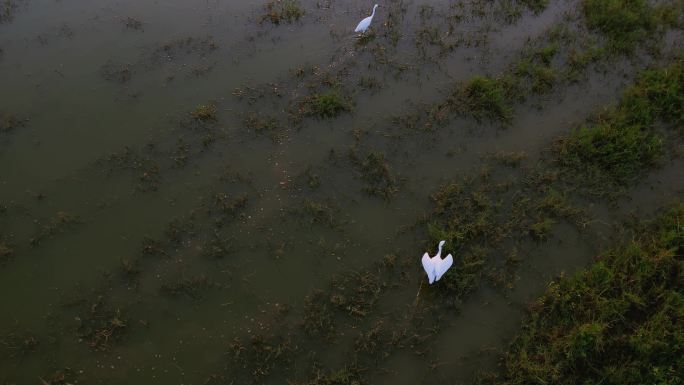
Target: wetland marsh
x: 239, y: 192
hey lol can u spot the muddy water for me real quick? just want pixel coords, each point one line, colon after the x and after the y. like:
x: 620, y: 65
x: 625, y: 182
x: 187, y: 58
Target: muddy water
x: 93, y: 79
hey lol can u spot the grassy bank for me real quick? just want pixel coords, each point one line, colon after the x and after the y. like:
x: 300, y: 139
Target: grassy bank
x: 619, y: 321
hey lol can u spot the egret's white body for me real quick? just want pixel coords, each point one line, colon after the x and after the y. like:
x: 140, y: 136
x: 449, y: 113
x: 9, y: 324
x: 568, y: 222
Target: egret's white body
x: 365, y: 23
x: 435, y: 267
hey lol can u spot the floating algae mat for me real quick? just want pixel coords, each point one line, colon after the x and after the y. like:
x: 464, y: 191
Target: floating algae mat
x: 241, y: 192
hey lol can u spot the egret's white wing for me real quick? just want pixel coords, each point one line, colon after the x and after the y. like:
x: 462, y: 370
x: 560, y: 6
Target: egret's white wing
x: 429, y: 266
x: 442, y: 266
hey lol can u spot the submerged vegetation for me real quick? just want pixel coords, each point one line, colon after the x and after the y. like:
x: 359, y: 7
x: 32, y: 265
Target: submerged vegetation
x: 376, y: 175
x: 7, y: 10
x: 205, y: 113
x: 10, y: 122
x: 5, y: 250
x: 619, y: 321
x: 62, y: 222
x: 278, y: 11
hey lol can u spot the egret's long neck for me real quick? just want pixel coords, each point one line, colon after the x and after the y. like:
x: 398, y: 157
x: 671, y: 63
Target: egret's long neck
x: 373, y: 14
x: 439, y: 252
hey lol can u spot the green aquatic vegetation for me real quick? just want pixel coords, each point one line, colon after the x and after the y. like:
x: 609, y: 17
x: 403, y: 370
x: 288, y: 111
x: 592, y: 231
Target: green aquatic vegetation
x: 558, y: 206
x: 369, y: 83
x: 7, y: 10
x: 377, y: 175
x: 319, y: 213
x: 537, y: 67
x: 364, y: 39
x: 312, y: 180
x: 6, y: 251
x: 623, y: 143
x: 540, y: 230
x: 205, y: 113
x: 657, y: 95
x: 349, y: 375
x: 10, y: 122
x: 485, y: 97
x: 480, y: 218
x: 180, y: 158
x: 17, y: 345
x: 509, y: 158
x: 152, y: 247
x: 259, y: 123
x: 260, y: 356
x: 129, y: 270
x: 328, y: 104
x: 66, y: 376
x: 318, y: 317
x: 624, y: 22
x: 353, y: 294
x: 536, y: 6
x: 62, y: 222
x: 462, y: 215
x: 217, y: 247
x: 224, y: 208
x: 118, y: 73
x: 99, y: 324
x: 510, y: 11
x: 178, y: 230
x: 169, y: 51
x: 456, y: 284
x: 611, y: 151
x: 128, y: 159
x: 618, y: 321
x: 192, y: 287
x: 278, y: 11
x: 132, y: 23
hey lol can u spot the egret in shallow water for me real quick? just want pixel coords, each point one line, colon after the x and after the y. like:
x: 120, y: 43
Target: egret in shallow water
x: 365, y: 23
x: 435, y: 267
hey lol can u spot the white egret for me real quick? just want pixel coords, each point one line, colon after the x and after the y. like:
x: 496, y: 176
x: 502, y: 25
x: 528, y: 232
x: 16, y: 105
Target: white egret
x: 365, y: 23
x: 435, y: 267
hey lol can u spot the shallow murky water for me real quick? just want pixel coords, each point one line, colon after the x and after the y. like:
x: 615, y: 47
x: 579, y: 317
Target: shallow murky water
x: 113, y: 196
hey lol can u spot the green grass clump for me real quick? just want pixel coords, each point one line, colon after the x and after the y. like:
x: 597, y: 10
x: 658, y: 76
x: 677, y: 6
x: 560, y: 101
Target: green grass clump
x: 328, y: 104
x: 283, y: 11
x: 624, y: 22
x: 486, y: 97
x: 623, y: 143
x: 608, y: 150
x: 658, y: 94
x: 619, y: 321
